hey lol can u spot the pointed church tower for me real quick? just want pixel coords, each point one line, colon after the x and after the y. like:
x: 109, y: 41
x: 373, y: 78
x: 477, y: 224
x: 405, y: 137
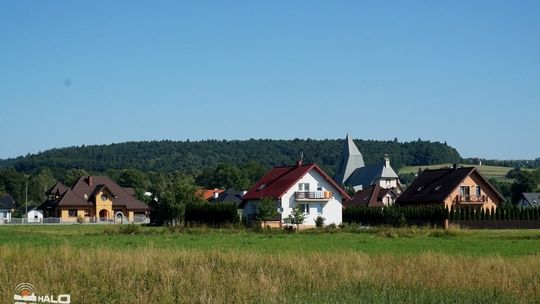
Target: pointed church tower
x: 351, y: 160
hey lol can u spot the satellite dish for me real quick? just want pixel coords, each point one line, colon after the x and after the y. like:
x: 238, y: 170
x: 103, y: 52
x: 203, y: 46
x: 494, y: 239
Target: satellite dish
x: 280, y: 209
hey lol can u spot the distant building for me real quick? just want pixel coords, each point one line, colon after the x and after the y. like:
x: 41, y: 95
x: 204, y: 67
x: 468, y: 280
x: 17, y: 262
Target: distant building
x: 93, y: 198
x: 529, y: 200
x: 452, y: 188
x: 373, y: 196
x: 7, y: 206
x: 35, y: 216
x: 306, y: 187
x: 229, y: 196
x: 352, y: 172
x: 208, y: 194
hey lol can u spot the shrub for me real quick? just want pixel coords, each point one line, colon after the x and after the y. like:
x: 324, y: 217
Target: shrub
x: 319, y: 221
x: 129, y: 229
x: 213, y: 215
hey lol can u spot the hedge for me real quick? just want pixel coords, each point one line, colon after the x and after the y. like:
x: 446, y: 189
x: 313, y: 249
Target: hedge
x: 211, y: 214
x: 395, y: 216
x: 502, y: 213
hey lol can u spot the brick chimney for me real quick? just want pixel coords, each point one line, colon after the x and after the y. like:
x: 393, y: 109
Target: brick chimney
x: 90, y: 180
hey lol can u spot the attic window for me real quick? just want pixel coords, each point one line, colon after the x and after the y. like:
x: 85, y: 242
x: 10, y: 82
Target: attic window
x: 438, y: 187
x: 262, y: 187
x: 420, y: 188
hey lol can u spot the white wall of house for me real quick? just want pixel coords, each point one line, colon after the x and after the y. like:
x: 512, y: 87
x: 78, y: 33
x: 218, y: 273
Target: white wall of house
x: 388, y: 183
x: 35, y: 216
x: 330, y: 209
x: 5, y: 215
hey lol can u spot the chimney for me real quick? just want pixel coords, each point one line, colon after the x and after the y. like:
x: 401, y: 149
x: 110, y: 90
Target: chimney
x: 386, y: 161
x: 298, y: 163
x: 216, y: 193
x: 90, y: 180
x: 455, y: 166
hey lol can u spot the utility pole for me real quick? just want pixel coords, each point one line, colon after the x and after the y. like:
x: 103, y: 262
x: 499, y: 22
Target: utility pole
x: 26, y: 196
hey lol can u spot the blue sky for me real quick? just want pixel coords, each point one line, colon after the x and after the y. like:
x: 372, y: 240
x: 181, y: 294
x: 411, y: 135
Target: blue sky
x: 98, y: 72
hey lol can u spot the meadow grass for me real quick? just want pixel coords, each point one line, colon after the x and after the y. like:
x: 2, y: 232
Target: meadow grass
x: 100, y: 264
x: 488, y: 171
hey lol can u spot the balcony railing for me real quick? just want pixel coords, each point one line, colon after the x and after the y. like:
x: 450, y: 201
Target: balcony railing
x: 313, y: 195
x: 470, y: 199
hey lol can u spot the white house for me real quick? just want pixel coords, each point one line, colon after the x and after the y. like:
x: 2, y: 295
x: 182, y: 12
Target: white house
x: 35, y: 216
x: 304, y: 186
x: 7, y: 206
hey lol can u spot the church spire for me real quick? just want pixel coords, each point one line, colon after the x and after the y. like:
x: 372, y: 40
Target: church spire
x: 351, y: 160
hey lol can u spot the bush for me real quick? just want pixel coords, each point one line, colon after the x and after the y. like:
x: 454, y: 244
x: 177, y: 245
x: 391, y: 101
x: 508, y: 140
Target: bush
x: 395, y: 216
x: 319, y: 221
x: 213, y: 215
x: 129, y: 229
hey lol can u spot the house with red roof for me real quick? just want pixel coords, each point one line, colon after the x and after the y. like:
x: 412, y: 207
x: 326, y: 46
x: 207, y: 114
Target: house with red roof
x: 303, y: 186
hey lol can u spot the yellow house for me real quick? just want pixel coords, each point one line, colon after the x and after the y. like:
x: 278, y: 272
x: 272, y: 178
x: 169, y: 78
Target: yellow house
x: 452, y: 188
x: 93, y: 199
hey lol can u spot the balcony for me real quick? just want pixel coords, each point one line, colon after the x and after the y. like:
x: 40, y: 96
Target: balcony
x: 313, y: 195
x: 470, y: 199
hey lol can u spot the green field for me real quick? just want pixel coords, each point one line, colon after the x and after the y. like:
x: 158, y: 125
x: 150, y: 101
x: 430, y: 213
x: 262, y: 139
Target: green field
x: 100, y: 264
x: 488, y: 171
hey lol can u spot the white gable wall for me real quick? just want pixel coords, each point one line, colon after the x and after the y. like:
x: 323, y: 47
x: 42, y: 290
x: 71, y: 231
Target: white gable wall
x: 331, y: 210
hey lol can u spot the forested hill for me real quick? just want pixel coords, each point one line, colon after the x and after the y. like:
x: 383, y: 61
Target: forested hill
x: 191, y: 156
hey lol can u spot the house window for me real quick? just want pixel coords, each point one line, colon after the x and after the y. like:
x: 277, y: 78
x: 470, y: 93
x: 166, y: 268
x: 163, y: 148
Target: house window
x: 304, y: 208
x: 319, y: 187
x: 319, y: 209
x: 478, y: 191
x: 72, y: 212
x: 87, y: 213
x: 104, y: 197
x: 303, y: 187
x: 465, y: 191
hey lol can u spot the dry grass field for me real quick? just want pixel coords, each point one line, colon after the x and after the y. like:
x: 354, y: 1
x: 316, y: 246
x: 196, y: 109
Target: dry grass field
x: 97, y: 264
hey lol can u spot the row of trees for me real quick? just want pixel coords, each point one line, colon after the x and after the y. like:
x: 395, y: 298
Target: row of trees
x: 506, y: 212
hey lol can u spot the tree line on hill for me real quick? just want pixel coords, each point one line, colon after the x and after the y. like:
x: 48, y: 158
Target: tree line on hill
x: 194, y: 157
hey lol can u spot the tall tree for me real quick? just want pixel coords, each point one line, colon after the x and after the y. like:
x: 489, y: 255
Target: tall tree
x: 267, y: 210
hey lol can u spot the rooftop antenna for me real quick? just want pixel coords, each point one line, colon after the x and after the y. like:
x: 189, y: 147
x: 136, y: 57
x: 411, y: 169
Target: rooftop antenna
x: 302, y: 156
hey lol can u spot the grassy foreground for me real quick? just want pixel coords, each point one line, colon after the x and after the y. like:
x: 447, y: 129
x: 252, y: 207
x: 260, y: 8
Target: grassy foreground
x: 96, y: 264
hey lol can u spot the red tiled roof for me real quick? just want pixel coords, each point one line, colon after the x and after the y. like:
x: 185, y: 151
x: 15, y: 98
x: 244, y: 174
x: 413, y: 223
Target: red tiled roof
x: 280, y: 179
x: 207, y: 194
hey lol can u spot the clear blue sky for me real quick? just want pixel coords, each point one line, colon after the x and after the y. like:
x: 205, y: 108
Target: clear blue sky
x: 97, y: 72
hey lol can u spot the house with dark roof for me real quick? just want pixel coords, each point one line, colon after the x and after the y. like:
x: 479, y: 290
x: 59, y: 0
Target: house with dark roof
x: 93, y: 198
x: 229, y: 196
x: 303, y: 186
x: 7, y: 206
x: 453, y: 188
x: 372, y: 196
x: 529, y: 200
x: 352, y: 171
